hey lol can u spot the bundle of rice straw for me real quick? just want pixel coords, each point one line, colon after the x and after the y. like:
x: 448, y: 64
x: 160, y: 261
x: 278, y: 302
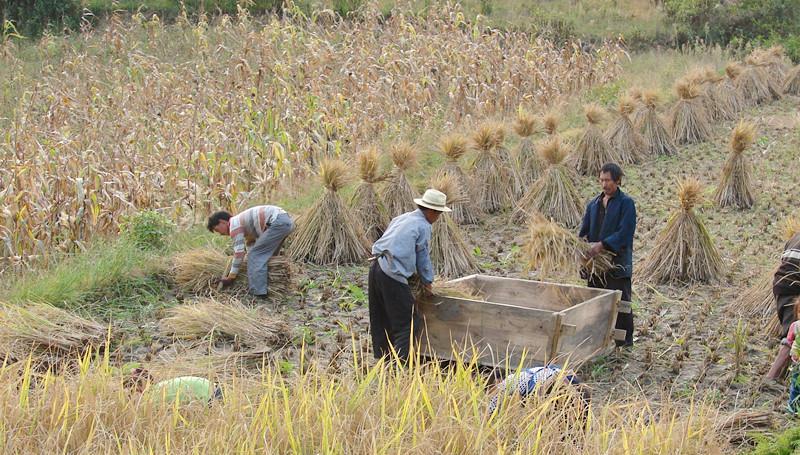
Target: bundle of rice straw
x: 328, y: 233
x: 365, y: 202
x: 736, y: 186
x: 727, y: 98
x: 550, y: 123
x: 753, y: 83
x: 52, y: 336
x: 509, y: 161
x: 593, y: 149
x: 791, y: 84
x: 230, y: 321
x: 198, y: 272
x: 453, y: 147
x: 699, y: 77
x: 689, y: 120
x: 494, y: 179
x: 553, y: 250
x: 450, y: 254
x: 758, y: 301
x: 398, y: 196
x: 529, y: 161
x: 458, y: 289
x: 626, y: 141
x: 658, y: 141
x: 554, y: 194
x: 773, y: 61
x: 684, y: 251
x: 640, y: 107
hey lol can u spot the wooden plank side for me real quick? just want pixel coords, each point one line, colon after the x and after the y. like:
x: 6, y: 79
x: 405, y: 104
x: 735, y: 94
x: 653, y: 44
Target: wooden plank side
x: 494, y: 329
x: 532, y: 294
x: 593, y: 321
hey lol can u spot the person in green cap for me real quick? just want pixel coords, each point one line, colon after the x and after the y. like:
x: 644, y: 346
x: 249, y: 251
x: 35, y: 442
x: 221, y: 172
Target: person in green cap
x: 184, y: 389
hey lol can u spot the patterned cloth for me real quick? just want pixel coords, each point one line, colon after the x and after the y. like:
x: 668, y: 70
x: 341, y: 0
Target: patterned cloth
x: 405, y: 248
x: 524, y: 382
x: 247, y: 227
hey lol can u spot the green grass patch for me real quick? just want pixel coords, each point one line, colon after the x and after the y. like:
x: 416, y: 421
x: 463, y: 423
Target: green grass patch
x: 785, y: 443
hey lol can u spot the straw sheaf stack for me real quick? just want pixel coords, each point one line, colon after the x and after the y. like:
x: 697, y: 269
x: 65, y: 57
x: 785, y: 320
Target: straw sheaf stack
x: 593, y: 149
x: 736, y: 186
x: 450, y: 254
x: 689, y: 120
x: 658, y: 141
x: 453, y: 147
x: 493, y: 178
x: 529, y: 161
x: 624, y: 138
x: 365, y: 202
x: 398, y: 196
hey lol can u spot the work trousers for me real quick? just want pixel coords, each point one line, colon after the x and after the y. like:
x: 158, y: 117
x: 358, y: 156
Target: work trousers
x: 267, y: 245
x: 391, y: 314
x: 624, y: 320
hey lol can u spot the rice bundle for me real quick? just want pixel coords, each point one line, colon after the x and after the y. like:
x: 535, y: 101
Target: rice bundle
x: 772, y: 61
x: 494, y: 179
x: 529, y: 161
x: 593, y: 149
x: 328, y: 233
x: 688, y: 119
x: 52, y: 336
x: 398, y: 196
x: 198, y: 272
x: 553, y: 250
x: 753, y: 84
x: 509, y: 161
x: 457, y: 289
x: 791, y: 84
x: 453, y: 147
x: 624, y: 139
x: 736, y: 186
x: 554, y: 194
x: 229, y: 321
x: 658, y: 141
x: 684, y: 251
x: 550, y: 123
x: 702, y: 79
x: 727, y: 98
x: 365, y: 201
x: 450, y: 254
x: 640, y: 107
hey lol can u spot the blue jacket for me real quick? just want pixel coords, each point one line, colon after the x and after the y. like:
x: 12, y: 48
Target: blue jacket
x: 616, y: 232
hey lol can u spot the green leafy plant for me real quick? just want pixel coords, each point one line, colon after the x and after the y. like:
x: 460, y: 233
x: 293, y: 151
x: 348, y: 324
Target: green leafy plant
x: 148, y: 230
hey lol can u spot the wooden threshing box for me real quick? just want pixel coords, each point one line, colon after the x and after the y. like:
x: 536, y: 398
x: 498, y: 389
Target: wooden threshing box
x: 546, y: 321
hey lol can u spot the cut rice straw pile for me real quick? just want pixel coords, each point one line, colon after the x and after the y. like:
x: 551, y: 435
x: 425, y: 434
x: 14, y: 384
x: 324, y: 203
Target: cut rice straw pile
x: 593, y: 149
x: 453, y: 147
x: 753, y: 84
x: 529, y: 161
x: 52, y: 336
x: 684, y: 251
x: 791, y: 84
x: 626, y: 141
x: 493, y: 178
x: 328, y: 233
x: 640, y: 107
x: 198, y: 272
x: 229, y: 321
x: 554, y: 194
x: 457, y: 289
x: 365, y: 202
x: 689, y: 120
x: 554, y: 251
x: 736, y: 187
x: 658, y: 141
x: 398, y: 196
x: 449, y: 252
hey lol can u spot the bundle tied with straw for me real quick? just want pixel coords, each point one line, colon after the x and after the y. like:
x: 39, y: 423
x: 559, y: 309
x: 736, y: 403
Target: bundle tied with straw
x: 493, y: 178
x: 689, y: 120
x: 727, y: 99
x: 658, y: 141
x: 773, y: 61
x: 453, y: 147
x: 509, y: 161
x: 553, y: 250
x: 640, y: 107
x: 626, y: 141
x: 329, y: 233
x: 230, y: 321
x: 684, y: 250
x: 593, y: 149
x: 554, y: 194
x: 365, y: 202
x: 550, y: 123
x: 758, y: 301
x: 398, y: 196
x: 791, y: 85
x: 529, y: 161
x: 753, y: 83
x: 736, y: 187
x: 198, y: 272
x: 450, y: 254
x: 52, y: 336
x: 457, y: 289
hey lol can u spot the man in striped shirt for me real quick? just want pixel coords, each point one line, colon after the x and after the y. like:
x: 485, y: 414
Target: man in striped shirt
x: 261, y: 230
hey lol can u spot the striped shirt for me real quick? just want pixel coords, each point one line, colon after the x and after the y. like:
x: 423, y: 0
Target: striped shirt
x: 248, y: 226
x: 525, y: 382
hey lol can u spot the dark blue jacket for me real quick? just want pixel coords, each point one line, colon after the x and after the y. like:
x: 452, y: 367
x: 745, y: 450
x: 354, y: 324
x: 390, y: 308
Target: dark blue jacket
x: 616, y: 232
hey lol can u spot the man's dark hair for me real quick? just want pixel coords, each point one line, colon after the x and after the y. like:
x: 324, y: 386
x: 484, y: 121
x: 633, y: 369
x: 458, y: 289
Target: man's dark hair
x: 216, y: 217
x: 614, y: 170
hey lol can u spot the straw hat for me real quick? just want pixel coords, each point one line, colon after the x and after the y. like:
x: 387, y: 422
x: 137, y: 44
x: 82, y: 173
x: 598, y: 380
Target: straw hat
x: 434, y: 200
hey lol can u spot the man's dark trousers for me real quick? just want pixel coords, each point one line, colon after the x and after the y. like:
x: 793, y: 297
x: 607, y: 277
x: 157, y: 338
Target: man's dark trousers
x: 391, y: 313
x: 624, y: 320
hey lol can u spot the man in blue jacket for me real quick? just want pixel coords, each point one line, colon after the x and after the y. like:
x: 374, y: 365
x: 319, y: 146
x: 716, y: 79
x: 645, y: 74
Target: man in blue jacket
x: 609, y: 224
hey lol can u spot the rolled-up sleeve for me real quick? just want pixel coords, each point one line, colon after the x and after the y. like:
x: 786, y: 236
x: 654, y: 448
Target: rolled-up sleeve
x: 424, y: 266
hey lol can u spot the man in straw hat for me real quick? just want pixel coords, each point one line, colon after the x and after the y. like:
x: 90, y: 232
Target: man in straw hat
x: 262, y: 229
x: 609, y: 224
x: 402, y: 250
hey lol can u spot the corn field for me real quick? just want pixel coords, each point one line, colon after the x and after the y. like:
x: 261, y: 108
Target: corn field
x: 189, y: 117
